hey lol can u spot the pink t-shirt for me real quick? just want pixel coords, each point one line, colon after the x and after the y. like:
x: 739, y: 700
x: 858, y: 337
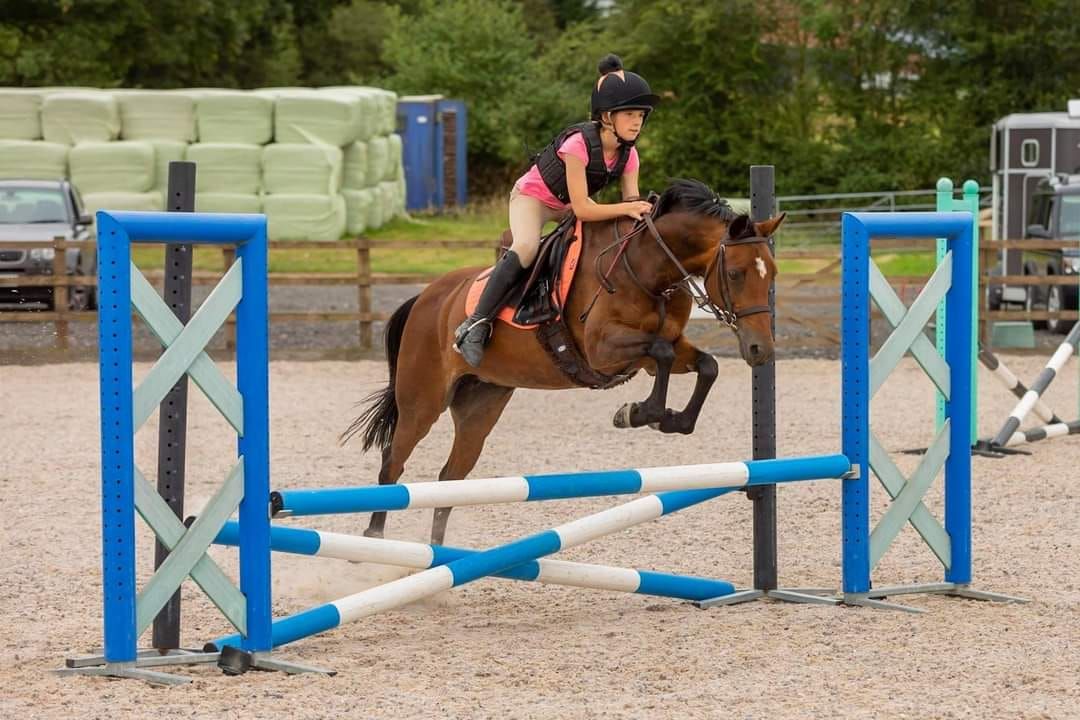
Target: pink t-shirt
x: 533, y: 185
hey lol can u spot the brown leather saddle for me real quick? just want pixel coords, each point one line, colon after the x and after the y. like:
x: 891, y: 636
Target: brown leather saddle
x: 532, y: 296
x: 534, y: 304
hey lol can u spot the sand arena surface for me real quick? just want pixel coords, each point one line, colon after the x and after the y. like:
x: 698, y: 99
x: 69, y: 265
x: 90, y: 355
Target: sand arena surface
x: 504, y: 649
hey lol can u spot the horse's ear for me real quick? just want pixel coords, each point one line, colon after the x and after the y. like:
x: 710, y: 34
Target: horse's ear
x: 740, y: 227
x: 768, y: 227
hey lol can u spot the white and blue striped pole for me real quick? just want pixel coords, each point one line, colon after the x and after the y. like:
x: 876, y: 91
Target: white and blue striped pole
x: 501, y: 558
x: 1027, y: 403
x: 419, y: 556
x: 531, y: 488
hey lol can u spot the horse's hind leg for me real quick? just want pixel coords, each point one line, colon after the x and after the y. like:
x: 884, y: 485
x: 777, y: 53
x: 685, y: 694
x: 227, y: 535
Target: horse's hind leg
x: 476, y: 407
x: 420, y: 405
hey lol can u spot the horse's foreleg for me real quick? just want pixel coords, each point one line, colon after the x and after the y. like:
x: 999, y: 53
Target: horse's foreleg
x: 688, y: 356
x: 652, y: 409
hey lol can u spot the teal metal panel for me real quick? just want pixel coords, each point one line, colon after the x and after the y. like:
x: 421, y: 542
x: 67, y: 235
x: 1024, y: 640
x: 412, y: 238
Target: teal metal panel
x: 166, y: 327
x: 969, y: 203
x: 944, y: 204
x: 176, y: 360
x: 190, y: 549
x: 922, y: 349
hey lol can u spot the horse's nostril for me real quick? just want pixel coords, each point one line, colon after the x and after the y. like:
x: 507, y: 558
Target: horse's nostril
x: 755, y: 350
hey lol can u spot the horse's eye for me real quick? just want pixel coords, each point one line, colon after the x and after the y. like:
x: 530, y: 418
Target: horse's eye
x: 734, y: 274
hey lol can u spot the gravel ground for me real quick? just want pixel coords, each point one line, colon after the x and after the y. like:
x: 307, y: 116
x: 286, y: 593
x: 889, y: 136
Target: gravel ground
x: 499, y: 649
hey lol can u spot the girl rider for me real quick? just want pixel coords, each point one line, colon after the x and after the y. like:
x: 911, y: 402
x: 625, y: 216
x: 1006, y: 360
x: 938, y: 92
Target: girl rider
x: 576, y: 165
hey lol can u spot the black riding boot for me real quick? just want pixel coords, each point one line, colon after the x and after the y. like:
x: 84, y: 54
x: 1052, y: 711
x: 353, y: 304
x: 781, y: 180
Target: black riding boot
x: 473, y: 334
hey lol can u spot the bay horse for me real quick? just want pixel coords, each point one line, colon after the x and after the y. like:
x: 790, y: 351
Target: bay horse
x: 636, y: 324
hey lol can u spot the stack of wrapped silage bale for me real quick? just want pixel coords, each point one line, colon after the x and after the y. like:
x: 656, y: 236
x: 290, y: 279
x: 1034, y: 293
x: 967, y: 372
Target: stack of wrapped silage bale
x: 23, y: 153
x: 374, y: 180
x: 318, y: 162
x: 329, y: 169
x: 233, y: 126
x: 302, y: 168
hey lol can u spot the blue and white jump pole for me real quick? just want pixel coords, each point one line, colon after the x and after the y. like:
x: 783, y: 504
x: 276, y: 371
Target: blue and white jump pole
x: 511, y: 555
x: 420, y: 556
x: 556, y: 486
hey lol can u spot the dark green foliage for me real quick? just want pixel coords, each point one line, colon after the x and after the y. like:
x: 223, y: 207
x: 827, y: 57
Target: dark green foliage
x: 839, y: 95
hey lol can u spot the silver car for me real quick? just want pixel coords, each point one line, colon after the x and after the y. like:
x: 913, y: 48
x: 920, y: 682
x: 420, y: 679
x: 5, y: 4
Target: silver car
x: 35, y: 210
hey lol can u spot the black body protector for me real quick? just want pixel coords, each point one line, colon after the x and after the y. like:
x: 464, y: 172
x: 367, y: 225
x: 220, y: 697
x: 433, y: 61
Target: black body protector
x: 553, y: 169
x: 617, y: 90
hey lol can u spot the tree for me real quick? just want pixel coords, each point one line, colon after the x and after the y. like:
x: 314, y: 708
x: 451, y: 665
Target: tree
x: 705, y: 61
x: 476, y: 50
x: 165, y: 44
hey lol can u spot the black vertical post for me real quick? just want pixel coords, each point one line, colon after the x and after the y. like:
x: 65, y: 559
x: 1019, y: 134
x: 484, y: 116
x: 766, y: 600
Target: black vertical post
x: 172, y: 426
x: 762, y: 207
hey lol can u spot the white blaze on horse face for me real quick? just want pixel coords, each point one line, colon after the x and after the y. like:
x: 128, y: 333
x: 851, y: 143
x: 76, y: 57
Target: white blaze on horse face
x: 761, y: 269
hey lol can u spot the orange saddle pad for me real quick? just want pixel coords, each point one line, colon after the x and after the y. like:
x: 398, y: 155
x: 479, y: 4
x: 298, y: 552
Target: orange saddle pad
x: 558, y: 294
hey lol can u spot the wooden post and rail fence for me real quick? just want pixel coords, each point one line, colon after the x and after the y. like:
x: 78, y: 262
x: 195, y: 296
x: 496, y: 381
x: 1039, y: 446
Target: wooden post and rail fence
x: 363, y: 279
x: 807, y: 299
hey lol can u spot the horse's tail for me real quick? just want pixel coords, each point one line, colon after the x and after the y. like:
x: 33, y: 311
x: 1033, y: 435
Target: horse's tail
x: 378, y: 421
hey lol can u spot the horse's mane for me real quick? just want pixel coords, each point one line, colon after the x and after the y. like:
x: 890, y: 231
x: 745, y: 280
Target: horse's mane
x: 694, y: 196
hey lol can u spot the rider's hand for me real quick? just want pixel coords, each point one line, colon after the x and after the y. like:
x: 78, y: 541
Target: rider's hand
x: 637, y: 208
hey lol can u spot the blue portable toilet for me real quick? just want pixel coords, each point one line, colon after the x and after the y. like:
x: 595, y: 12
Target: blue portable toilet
x: 434, y: 140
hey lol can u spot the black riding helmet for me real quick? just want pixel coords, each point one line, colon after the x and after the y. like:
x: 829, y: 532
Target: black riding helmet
x: 619, y: 89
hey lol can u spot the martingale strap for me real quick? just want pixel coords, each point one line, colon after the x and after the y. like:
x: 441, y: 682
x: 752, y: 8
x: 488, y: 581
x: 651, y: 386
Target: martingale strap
x: 554, y: 336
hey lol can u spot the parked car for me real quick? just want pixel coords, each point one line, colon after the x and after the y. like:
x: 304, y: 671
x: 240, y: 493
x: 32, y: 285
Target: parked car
x: 35, y: 210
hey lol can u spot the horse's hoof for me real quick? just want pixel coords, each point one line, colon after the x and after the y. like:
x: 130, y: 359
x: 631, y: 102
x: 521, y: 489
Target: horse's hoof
x: 655, y: 426
x: 673, y: 423
x: 372, y: 533
x: 622, y: 416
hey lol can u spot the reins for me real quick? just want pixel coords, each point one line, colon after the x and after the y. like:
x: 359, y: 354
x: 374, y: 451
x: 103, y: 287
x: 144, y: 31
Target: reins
x: 728, y: 314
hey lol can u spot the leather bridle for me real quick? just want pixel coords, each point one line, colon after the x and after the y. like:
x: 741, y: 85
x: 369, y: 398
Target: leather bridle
x: 719, y: 265
x: 727, y: 314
